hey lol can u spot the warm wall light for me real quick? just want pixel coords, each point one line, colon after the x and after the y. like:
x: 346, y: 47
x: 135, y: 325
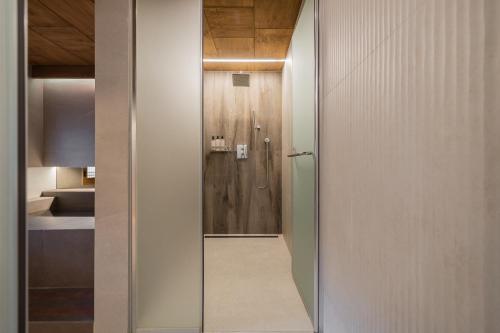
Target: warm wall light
x: 90, y: 172
x: 244, y: 60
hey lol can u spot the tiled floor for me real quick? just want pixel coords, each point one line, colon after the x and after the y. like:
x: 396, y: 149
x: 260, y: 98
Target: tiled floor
x: 249, y: 287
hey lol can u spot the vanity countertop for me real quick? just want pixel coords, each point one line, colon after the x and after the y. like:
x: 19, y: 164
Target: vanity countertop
x: 61, y: 222
x: 62, y: 190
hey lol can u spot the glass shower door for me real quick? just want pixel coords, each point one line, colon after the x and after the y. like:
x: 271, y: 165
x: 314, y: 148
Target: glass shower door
x: 303, y: 159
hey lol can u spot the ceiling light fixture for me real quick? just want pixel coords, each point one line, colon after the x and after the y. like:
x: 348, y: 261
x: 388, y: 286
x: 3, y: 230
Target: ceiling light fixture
x: 241, y: 60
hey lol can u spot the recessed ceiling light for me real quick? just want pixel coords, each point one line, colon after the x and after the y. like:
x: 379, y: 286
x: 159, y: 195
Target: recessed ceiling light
x: 242, y: 60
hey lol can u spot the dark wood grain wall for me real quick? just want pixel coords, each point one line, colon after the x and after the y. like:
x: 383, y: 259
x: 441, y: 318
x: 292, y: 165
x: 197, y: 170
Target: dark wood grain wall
x: 232, y: 202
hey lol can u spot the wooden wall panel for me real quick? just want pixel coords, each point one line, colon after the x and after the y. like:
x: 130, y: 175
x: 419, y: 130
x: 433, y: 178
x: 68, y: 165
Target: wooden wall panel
x: 233, y: 204
x: 409, y: 173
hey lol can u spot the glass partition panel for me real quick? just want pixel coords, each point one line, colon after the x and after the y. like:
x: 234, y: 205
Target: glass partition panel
x: 168, y: 235
x: 303, y: 166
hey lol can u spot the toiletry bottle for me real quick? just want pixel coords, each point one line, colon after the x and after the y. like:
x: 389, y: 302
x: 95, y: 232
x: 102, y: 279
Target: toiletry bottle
x: 217, y: 143
x: 222, y: 143
x: 212, y: 143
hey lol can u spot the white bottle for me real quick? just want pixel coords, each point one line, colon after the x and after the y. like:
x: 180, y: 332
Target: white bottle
x: 222, y: 143
x: 212, y: 143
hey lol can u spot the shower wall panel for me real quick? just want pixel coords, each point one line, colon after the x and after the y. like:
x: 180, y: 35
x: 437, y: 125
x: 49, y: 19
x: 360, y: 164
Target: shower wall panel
x: 233, y: 203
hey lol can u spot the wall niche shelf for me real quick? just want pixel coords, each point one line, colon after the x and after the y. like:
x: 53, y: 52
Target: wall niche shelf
x: 222, y: 150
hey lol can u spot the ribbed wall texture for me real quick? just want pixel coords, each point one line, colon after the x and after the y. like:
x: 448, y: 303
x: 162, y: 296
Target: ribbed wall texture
x: 410, y: 134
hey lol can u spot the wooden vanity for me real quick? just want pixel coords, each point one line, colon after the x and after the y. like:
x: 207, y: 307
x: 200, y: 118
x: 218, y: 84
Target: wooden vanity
x: 61, y: 263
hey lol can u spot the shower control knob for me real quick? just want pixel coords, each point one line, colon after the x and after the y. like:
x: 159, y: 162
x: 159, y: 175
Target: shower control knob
x: 241, y: 152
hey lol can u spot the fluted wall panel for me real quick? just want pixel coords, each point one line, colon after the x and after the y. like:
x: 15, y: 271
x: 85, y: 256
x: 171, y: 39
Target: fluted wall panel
x: 409, y: 175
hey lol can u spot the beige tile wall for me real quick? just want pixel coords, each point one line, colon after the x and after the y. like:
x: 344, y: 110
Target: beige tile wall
x: 112, y: 98
x: 410, y: 171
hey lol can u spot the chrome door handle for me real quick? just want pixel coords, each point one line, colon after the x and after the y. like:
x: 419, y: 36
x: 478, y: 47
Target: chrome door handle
x: 304, y: 153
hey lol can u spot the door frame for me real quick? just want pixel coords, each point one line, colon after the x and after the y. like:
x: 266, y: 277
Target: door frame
x: 133, y: 223
x: 22, y: 72
x: 317, y: 281
x: 317, y: 284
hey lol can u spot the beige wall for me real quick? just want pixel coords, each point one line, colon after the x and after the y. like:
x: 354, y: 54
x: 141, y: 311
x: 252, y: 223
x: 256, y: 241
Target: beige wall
x: 35, y: 123
x: 287, y: 147
x: 492, y: 167
x: 69, y: 122
x: 8, y: 167
x: 39, y: 180
x: 71, y: 178
x: 169, y: 166
x: 409, y: 172
x: 112, y: 137
x: 61, y: 122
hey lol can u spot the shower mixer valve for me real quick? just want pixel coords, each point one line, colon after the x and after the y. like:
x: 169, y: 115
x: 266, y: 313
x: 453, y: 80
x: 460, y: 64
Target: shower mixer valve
x: 241, y: 152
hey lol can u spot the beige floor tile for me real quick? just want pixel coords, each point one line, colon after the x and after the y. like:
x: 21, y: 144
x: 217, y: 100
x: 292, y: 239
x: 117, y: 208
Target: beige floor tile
x: 249, y: 287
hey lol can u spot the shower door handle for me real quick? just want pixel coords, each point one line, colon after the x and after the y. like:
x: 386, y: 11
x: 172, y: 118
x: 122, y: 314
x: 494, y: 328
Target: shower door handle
x: 303, y: 153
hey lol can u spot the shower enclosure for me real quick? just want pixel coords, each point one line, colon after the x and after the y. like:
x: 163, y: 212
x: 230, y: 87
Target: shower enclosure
x: 242, y: 194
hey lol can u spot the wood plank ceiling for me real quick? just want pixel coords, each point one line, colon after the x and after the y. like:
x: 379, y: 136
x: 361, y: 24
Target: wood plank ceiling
x: 61, y: 33
x: 248, y: 29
